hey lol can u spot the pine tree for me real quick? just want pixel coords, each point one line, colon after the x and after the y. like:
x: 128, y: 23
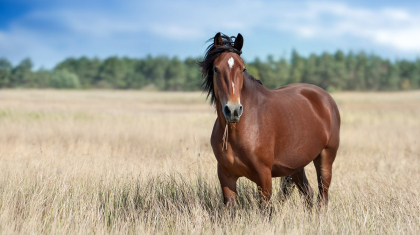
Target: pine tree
x: 22, y: 74
x: 339, y: 76
x: 282, y: 72
x: 351, y: 69
x: 360, y: 75
x: 310, y: 74
x: 175, y: 75
x: 112, y: 73
x: 297, y: 67
x: 414, y: 75
x: 373, y: 73
x: 193, y: 75
x: 5, y: 72
x: 393, y: 78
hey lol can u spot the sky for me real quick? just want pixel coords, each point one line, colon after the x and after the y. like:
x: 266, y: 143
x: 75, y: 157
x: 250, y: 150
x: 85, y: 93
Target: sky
x: 50, y: 31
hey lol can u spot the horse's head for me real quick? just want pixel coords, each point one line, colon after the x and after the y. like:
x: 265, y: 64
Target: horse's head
x: 228, y: 74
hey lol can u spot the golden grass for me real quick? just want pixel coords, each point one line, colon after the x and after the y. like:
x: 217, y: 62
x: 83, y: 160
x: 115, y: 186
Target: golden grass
x: 77, y: 162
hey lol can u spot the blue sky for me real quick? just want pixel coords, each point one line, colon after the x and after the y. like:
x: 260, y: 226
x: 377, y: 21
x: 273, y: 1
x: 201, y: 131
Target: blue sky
x: 49, y: 31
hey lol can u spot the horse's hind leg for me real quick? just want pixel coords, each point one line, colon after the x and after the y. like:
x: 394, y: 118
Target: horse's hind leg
x: 287, y: 186
x: 323, y: 164
x: 299, y: 178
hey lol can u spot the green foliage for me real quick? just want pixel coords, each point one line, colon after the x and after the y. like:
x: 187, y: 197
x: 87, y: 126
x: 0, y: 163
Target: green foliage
x: 22, y: 74
x: 393, y: 78
x: 297, y: 68
x: 175, y: 75
x: 333, y: 72
x: 62, y: 79
x: 42, y: 78
x: 5, y: 72
x: 86, y: 69
x: 351, y: 71
x: 192, y: 75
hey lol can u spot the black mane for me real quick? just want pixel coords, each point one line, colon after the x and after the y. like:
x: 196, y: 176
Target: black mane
x: 212, y: 52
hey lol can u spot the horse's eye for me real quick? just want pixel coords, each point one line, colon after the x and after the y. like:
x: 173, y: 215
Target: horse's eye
x: 216, y: 70
x: 244, y: 70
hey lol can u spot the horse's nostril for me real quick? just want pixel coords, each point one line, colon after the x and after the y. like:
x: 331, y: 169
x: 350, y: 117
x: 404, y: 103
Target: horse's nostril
x: 226, y: 110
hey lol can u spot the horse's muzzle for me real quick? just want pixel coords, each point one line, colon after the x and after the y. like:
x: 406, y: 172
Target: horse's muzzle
x: 232, y: 112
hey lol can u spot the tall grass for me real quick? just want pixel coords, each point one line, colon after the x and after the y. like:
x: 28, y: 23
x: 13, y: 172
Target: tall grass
x: 129, y: 162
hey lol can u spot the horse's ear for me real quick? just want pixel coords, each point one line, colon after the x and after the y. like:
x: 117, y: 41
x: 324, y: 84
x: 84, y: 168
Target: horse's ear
x: 218, y: 41
x: 239, y: 42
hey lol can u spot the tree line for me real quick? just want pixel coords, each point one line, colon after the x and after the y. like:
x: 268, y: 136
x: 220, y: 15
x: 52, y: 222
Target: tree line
x: 333, y: 72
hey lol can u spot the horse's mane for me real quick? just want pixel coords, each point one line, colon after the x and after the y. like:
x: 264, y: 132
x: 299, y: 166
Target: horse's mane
x: 212, y: 52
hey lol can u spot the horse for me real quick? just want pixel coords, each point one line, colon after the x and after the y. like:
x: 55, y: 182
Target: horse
x: 260, y: 133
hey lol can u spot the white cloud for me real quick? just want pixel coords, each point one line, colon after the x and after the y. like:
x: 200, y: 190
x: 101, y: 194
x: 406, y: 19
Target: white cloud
x: 396, y: 28
x: 96, y: 30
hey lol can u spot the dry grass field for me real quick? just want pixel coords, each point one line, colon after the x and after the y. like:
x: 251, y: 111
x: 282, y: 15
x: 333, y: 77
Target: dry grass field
x: 107, y: 162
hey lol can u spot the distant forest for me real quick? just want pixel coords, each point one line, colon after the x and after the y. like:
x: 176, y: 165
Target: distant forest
x: 333, y: 72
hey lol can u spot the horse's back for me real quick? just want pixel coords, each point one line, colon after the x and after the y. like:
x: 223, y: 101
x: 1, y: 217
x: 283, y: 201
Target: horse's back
x: 317, y: 96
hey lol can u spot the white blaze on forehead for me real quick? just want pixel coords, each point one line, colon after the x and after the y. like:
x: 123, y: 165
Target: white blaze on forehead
x: 233, y: 87
x: 231, y: 62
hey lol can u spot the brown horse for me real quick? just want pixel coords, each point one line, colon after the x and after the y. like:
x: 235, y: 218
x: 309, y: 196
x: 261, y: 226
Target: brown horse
x: 260, y: 133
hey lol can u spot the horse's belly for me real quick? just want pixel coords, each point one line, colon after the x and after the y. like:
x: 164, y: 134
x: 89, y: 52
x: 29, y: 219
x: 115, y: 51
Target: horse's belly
x: 293, y: 162
x: 280, y: 170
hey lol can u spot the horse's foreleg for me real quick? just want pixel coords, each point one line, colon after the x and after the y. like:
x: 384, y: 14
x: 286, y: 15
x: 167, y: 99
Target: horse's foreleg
x: 323, y: 164
x: 228, y: 183
x: 304, y: 188
x: 264, y: 184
